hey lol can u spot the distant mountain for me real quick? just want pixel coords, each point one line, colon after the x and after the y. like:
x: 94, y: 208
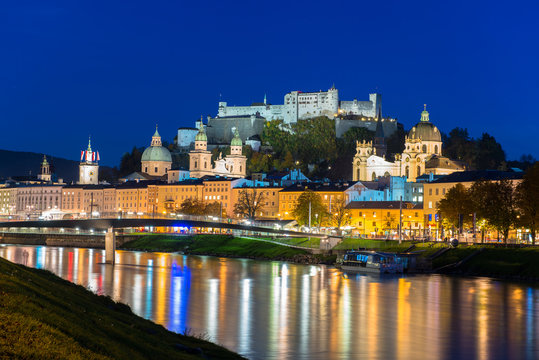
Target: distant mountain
x: 20, y: 163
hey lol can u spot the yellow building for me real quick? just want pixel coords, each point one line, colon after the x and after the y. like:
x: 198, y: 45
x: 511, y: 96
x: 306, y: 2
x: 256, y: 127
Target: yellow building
x: 170, y: 196
x: 331, y: 194
x: 132, y: 199
x: 89, y: 200
x: 270, y: 206
x: 208, y: 189
x: 381, y: 218
x: 435, y: 191
x: 8, y: 201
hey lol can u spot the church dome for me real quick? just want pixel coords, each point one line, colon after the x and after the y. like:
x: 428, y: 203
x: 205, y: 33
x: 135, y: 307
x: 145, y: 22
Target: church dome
x: 236, y: 140
x: 425, y: 130
x: 201, y: 136
x: 156, y: 153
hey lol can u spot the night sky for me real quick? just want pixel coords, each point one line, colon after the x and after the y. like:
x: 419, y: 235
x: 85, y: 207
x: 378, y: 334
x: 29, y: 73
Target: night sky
x: 115, y: 69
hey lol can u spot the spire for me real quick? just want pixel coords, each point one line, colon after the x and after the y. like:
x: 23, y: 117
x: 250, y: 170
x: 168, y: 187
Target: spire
x: 333, y: 86
x: 156, y: 138
x: 89, y: 143
x: 425, y: 114
x: 45, y: 162
x: 379, y: 141
x: 265, y: 101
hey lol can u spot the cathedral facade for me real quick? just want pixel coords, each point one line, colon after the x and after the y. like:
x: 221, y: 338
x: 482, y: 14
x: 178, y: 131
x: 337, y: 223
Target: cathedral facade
x: 422, y: 155
x: 233, y: 165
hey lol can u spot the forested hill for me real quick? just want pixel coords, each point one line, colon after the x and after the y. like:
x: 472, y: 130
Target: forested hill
x: 21, y: 163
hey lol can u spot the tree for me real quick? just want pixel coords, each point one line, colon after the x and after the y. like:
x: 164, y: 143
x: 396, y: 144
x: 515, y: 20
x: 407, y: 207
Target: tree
x: 301, y: 210
x: 213, y: 208
x: 130, y: 162
x: 340, y: 216
x: 389, y: 222
x: 459, y: 146
x: 249, y: 203
x: 527, y: 200
x: 495, y: 202
x: 489, y: 153
x: 193, y: 207
x: 455, y: 204
x: 395, y: 142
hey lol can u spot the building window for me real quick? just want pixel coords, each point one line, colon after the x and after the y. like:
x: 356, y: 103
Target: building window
x: 436, y: 190
x: 430, y: 204
x: 436, y: 149
x: 443, y: 191
x: 430, y: 191
x: 424, y: 148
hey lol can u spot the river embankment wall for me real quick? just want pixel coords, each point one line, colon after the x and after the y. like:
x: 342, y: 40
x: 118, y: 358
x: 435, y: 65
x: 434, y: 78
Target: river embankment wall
x: 66, y: 240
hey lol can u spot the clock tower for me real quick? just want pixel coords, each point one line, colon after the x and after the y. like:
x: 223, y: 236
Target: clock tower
x: 89, y: 167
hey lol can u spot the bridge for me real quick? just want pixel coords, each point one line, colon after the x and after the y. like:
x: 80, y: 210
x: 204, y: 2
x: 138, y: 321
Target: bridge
x: 110, y: 225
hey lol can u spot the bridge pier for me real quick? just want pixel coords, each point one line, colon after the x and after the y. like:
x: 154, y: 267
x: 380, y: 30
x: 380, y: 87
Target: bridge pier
x: 110, y: 246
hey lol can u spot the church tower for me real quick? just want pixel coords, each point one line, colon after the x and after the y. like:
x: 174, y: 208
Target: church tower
x: 45, y: 173
x: 200, y: 157
x: 363, y: 151
x: 380, y: 147
x: 236, y: 161
x: 89, y: 167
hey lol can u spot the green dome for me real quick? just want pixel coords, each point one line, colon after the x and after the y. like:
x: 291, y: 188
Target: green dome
x: 156, y: 153
x: 201, y: 136
x: 236, y: 140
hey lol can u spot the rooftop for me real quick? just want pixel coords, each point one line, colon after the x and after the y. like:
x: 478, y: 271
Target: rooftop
x: 383, y: 205
x: 470, y: 176
x: 323, y: 187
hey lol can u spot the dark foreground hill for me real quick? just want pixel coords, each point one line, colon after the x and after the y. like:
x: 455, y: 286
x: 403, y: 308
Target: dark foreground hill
x: 45, y: 317
x: 21, y: 163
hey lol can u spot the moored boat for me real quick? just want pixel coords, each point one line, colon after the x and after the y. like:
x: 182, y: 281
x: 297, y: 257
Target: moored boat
x: 374, y: 262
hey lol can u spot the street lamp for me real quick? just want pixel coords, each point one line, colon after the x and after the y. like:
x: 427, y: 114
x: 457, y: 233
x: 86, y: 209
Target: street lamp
x: 364, y: 226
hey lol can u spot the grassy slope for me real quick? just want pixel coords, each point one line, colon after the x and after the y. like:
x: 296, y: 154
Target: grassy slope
x: 496, y: 262
x: 224, y: 245
x: 43, y: 316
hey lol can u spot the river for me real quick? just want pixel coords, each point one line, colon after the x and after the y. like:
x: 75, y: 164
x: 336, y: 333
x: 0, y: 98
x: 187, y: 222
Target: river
x: 277, y: 310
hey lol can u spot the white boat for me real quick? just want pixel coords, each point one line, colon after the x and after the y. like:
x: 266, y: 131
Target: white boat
x: 373, y: 262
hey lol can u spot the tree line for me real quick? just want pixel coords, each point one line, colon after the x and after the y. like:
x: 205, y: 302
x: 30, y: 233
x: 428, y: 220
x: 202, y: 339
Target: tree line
x: 500, y: 205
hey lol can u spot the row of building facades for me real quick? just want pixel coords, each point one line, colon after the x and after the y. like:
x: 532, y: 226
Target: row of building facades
x: 373, y: 206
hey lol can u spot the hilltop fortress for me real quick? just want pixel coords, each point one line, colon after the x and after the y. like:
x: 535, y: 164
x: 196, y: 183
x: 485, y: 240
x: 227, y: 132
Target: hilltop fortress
x: 297, y: 105
x: 304, y: 105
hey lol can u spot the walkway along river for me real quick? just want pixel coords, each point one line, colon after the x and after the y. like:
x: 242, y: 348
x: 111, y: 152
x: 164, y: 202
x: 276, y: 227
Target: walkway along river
x: 279, y: 310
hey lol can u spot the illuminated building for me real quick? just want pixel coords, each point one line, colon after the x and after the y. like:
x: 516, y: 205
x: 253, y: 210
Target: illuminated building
x: 382, y: 218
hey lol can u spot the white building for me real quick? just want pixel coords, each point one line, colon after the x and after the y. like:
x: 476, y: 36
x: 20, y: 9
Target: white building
x: 303, y: 105
x: 32, y: 201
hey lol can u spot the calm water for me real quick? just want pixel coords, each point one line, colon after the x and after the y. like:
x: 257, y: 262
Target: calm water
x: 278, y: 310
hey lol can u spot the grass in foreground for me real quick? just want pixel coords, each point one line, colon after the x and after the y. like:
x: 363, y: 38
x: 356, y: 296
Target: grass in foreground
x: 43, y: 316
x: 224, y: 245
x: 495, y: 261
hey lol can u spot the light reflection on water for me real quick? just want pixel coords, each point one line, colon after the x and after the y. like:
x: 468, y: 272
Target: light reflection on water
x: 280, y: 310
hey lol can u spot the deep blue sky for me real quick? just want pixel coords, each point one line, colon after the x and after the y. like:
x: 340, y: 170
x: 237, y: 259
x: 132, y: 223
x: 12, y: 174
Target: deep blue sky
x: 115, y: 69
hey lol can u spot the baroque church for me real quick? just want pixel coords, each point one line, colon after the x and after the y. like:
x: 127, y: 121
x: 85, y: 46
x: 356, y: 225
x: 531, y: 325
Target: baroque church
x: 422, y: 154
x: 233, y: 165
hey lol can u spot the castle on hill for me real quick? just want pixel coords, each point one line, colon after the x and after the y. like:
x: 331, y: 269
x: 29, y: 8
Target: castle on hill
x: 297, y: 105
